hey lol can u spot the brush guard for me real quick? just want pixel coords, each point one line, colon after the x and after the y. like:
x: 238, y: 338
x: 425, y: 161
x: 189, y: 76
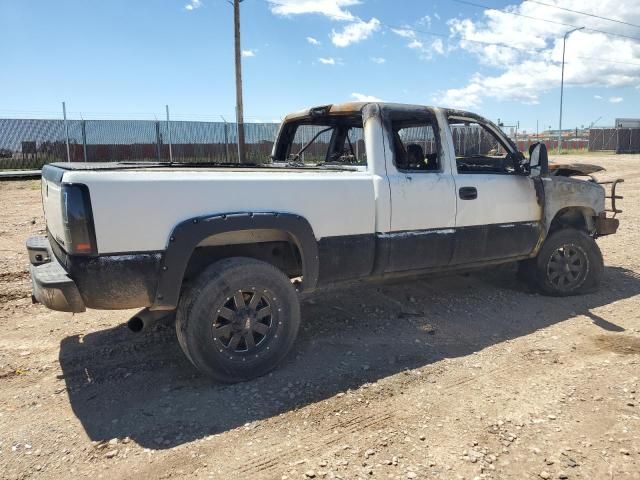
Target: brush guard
x: 609, y: 225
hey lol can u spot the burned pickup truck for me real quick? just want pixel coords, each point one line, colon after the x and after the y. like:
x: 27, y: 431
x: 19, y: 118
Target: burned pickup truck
x: 354, y: 191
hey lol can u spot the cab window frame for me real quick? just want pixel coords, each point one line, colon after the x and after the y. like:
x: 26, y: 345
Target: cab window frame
x: 490, y: 129
x: 414, y: 118
x: 286, y: 137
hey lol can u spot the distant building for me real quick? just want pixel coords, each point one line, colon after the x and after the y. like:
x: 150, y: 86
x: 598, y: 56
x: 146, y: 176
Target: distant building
x: 627, y: 123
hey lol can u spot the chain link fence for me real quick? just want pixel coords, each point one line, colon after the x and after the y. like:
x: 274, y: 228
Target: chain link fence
x: 30, y: 144
x: 620, y: 140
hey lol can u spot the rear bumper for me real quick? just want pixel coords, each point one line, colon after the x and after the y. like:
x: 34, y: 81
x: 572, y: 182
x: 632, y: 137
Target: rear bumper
x: 50, y: 282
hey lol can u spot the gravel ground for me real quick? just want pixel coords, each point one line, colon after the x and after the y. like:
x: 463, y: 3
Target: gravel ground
x: 469, y: 376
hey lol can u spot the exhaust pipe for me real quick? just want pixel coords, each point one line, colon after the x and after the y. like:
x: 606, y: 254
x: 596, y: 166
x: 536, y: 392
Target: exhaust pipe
x: 145, y: 319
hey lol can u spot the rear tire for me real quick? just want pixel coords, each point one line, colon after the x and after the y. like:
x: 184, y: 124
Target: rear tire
x: 238, y: 320
x: 569, y: 263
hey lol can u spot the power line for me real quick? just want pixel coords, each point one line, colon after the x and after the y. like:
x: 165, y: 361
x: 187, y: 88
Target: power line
x: 448, y: 36
x: 583, y: 13
x: 504, y: 45
x: 608, y: 61
x: 485, y: 7
x: 514, y: 48
x: 506, y: 12
x: 425, y: 32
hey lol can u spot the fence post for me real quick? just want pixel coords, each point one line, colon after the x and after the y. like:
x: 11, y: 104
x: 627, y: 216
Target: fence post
x: 158, y: 142
x: 169, y: 135
x: 84, y: 139
x: 226, y: 141
x: 66, y: 130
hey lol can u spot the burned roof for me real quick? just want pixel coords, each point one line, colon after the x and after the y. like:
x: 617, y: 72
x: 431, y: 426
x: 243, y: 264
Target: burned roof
x: 347, y: 108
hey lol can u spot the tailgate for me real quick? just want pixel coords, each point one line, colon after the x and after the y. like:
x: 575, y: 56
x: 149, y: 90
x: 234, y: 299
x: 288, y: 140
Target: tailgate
x: 52, y: 201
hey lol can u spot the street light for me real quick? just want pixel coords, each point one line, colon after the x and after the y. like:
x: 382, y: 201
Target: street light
x: 564, y: 44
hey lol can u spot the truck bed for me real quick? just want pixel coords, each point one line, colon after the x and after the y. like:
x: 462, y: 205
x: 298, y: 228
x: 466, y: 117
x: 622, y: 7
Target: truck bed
x: 151, y: 199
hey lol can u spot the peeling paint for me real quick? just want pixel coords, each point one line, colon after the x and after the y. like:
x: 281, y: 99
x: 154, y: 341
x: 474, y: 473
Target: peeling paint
x: 443, y: 231
x: 565, y: 192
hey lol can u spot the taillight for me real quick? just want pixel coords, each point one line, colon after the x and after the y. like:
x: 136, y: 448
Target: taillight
x: 80, y: 236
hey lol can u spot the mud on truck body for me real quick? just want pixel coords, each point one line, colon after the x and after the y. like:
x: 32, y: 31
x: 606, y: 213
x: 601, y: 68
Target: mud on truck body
x: 376, y: 190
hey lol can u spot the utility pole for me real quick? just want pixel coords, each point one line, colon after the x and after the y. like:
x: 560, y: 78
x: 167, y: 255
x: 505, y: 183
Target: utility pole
x: 239, y: 107
x: 564, y: 44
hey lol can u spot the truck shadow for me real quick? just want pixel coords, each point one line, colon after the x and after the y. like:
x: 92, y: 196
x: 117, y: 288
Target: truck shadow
x: 142, y: 387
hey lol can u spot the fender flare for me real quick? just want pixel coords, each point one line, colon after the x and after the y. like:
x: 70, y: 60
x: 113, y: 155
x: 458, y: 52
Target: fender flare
x: 587, y: 213
x: 188, y: 234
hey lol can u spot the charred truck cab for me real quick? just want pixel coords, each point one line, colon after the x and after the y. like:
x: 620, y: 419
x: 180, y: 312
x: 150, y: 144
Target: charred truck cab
x: 353, y: 191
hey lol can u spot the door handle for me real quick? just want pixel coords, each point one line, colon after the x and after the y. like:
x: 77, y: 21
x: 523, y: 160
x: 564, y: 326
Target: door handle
x: 468, y: 193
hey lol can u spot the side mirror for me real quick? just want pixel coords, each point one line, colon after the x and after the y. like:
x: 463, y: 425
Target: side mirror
x: 538, y: 160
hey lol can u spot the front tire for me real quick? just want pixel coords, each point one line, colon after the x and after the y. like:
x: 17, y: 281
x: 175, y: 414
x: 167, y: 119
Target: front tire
x: 238, y: 320
x: 569, y: 263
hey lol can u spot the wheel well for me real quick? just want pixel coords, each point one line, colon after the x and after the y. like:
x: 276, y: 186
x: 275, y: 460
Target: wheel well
x: 195, y: 243
x: 275, y: 247
x: 573, y: 217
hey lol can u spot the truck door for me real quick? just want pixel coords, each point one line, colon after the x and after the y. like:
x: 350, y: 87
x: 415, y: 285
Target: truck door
x: 423, y: 204
x: 497, y: 214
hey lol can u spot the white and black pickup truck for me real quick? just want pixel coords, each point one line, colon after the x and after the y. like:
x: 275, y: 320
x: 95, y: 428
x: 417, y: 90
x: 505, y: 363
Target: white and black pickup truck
x: 352, y: 191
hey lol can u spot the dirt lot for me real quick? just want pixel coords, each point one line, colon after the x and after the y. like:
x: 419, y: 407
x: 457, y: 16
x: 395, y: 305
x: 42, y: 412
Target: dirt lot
x: 460, y: 377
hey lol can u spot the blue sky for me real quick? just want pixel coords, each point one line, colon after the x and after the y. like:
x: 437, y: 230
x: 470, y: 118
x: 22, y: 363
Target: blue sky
x: 127, y: 59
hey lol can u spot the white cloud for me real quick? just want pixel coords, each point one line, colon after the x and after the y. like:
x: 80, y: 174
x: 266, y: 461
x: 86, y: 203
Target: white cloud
x: 327, y: 61
x: 438, y: 46
x: 378, y: 60
x: 360, y: 97
x: 354, y: 32
x: 426, y: 21
x: 517, y: 84
x: 404, y: 32
x: 426, y: 51
x: 523, y: 75
x: 313, y: 41
x: 193, y: 4
x: 249, y: 53
x: 334, y: 9
x: 598, y: 97
x: 616, y: 99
